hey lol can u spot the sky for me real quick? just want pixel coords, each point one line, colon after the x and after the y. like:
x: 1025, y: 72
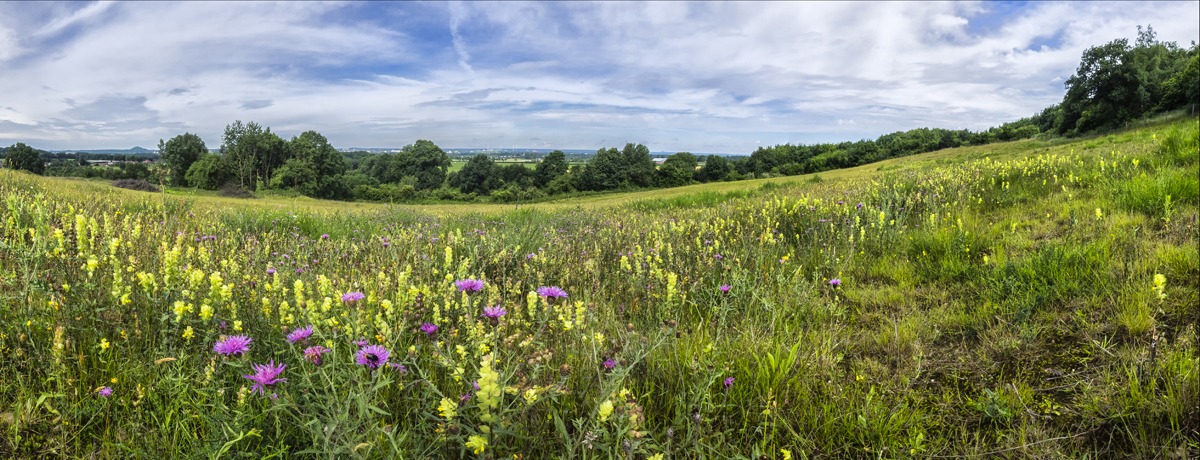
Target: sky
x: 700, y: 77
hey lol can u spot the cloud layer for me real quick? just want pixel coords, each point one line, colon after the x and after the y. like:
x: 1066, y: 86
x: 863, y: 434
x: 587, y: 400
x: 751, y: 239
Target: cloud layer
x: 702, y: 77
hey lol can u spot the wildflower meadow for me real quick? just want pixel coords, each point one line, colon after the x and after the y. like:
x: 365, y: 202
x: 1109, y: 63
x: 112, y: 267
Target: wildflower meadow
x: 1035, y: 299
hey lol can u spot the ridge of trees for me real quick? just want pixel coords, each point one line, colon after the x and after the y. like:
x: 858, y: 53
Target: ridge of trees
x: 1114, y: 84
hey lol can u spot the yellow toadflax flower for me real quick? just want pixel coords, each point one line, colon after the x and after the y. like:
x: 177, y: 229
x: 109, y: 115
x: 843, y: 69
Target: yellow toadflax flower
x: 477, y: 444
x: 1160, y: 284
x: 606, y: 409
x: 448, y: 408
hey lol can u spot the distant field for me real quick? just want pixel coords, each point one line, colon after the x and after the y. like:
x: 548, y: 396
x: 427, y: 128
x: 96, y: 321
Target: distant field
x: 1035, y: 299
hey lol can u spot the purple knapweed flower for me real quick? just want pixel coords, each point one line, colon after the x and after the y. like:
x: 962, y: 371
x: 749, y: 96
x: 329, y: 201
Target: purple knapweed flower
x: 324, y: 236
x: 552, y: 292
x: 469, y: 285
x: 372, y: 356
x: 398, y: 367
x: 233, y: 345
x: 104, y: 392
x: 724, y: 288
x: 728, y: 382
x: 300, y: 334
x: 361, y: 343
x: 313, y: 354
x: 835, y: 282
x: 718, y: 256
x: 610, y: 363
x: 464, y: 398
x: 859, y: 205
x: 429, y: 328
x: 494, y: 312
x: 351, y: 297
x: 270, y: 271
x: 264, y: 375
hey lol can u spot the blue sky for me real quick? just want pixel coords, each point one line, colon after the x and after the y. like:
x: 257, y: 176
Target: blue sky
x: 700, y: 77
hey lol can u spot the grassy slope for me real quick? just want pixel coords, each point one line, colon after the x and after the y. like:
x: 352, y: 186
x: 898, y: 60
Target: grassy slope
x: 1003, y: 307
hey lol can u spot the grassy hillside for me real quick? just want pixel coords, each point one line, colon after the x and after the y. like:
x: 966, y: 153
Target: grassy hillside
x: 1030, y: 299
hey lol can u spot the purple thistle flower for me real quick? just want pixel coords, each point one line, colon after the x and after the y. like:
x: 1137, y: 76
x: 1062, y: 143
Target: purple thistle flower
x: 300, y: 334
x: 270, y: 271
x: 264, y: 375
x: 469, y: 285
x: 324, y: 236
x: 494, y: 312
x: 835, y: 282
x: 552, y: 292
x: 724, y: 288
x: 429, y: 328
x: 372, y: 356
x: 313, y: 354
x: 610, y: 363
x: 232, y: 345
x: 351, y: 297
x: 728, y: 382
x: 104, y: 392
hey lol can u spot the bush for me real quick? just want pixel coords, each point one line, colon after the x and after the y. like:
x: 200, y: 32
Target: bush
x: 135, y: 184
x: 233, y: 190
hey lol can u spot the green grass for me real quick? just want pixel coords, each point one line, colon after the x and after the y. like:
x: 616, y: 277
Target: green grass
x: 994, y: 301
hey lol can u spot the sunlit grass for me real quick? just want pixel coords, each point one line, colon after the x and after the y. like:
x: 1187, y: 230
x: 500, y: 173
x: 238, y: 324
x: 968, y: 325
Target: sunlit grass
x: 1029, y: 299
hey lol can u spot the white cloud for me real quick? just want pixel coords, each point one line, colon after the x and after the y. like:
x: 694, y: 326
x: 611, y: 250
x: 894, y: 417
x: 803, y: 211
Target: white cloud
x: 686, y: 76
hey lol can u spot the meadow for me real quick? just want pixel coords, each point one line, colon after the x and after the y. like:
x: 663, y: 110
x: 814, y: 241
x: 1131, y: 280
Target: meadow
x: 1033, y: 299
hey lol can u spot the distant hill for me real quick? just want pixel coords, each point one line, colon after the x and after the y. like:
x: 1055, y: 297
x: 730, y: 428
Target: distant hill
x: 129, y: 151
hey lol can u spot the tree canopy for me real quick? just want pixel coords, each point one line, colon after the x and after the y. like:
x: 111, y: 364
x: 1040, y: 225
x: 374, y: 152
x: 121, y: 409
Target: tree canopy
x: 179, y: 153
x: 24, y: 157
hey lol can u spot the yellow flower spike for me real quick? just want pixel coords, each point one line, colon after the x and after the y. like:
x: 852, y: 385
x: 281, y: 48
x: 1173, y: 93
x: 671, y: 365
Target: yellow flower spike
x: 448, y: 408
x: 188, y: 333
x: 606, y: 409
x: 104, y: 344
x: 477, y: 444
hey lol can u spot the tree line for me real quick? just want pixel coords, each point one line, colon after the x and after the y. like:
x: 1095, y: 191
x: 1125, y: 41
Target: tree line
x: 1114, y: 84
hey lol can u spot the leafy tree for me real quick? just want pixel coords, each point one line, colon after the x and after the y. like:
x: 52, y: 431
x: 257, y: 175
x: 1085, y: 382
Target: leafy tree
x: 24, y: 157
x: 252, y: 153
x: 315, y: 169
x: 606, y: 171
x: 179, y: 153
x: 478, y: 176
x: 551, y: 167
x: 677, y: 170
x: 427, y: 162
x: 639, y: 167
x: 716, y: 168
x: 516, y: 174
x: 1182, y: 90
x: 298, y: 175
x: 1104, y: 92
x: 209, y: 172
